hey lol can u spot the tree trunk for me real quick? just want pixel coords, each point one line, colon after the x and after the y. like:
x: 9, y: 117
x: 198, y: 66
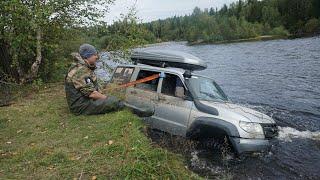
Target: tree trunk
x: 5, y: 63
x: 35, y: 66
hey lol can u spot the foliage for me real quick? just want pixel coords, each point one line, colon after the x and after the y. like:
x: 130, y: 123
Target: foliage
x: 124, y: 34
x: 241, y: 20
x: 279, y: 31
x: 313, y: 25
x: 31, y: 32
x: 42, y: 34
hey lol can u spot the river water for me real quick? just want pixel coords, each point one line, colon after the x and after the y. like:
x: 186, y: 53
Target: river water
x: 280, y: 78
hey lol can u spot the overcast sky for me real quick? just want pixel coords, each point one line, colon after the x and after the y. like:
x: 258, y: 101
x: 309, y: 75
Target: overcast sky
x: 149, y: 10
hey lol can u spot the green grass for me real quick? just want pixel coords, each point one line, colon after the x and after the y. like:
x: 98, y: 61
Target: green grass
x: 41, y: 139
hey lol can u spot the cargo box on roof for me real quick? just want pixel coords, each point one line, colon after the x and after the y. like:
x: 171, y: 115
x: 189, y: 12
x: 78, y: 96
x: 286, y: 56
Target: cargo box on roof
x: 167, y: 58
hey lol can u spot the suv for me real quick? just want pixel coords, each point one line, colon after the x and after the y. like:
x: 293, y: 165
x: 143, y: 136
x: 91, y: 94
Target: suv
x: 183, y: 103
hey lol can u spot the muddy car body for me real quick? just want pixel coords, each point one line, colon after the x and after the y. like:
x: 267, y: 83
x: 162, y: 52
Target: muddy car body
x: 183, y: 103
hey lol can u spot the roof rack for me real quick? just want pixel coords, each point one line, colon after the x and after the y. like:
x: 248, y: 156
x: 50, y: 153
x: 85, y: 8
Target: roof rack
x: 168, y: 58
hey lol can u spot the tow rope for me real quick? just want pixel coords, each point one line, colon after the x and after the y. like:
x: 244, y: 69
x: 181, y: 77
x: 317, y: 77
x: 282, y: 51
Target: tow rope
x: 146, y: 79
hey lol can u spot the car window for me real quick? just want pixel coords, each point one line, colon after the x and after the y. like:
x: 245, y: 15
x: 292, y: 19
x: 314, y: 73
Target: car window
x: 205, y: 89
x: 122, y: 75
x: 149, y: 85
x: 172, y: 86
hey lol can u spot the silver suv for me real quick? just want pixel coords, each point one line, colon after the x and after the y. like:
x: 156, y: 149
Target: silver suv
x: 183, y: 103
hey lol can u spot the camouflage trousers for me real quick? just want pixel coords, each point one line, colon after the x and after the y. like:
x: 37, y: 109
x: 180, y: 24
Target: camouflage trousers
x: 80, y: 104
x: 102, y: 106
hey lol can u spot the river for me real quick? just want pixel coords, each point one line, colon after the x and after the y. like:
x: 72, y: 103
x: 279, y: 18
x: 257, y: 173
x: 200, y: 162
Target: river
x: 280, y: 78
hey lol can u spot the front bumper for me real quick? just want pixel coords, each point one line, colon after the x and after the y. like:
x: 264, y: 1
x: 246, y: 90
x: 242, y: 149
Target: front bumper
x: 242, y: 145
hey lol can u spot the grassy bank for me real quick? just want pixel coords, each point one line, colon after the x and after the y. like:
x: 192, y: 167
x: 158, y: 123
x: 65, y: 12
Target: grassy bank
x: 40, y: 139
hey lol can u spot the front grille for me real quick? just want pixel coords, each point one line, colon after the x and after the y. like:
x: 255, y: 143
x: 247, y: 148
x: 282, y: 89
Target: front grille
x: 270, y: 130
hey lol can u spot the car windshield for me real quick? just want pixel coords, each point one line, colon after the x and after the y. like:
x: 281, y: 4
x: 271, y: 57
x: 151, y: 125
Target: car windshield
x: 205, y: 89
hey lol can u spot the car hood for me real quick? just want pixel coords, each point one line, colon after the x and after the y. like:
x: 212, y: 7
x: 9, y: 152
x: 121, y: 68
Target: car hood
x: 237, y: 112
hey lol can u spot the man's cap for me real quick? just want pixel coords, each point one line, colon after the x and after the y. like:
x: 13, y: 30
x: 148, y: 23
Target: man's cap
x: 87, y: 50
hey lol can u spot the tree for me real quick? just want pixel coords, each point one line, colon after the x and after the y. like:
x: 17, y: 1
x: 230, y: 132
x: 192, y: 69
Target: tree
x: 32, y: 29
x: 196, y: 11
x: 125, y: 34
x: 242, y: 19
x: 271, y: 16
x: 212, y: 11
x: 224, y: 10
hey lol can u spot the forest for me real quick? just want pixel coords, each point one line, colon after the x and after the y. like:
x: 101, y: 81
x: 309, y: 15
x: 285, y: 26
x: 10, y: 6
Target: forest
x: 241, y: 20
x: 36, y: 38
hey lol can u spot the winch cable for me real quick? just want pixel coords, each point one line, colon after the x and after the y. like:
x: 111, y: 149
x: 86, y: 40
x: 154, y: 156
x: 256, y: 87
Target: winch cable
x: 143, y: 80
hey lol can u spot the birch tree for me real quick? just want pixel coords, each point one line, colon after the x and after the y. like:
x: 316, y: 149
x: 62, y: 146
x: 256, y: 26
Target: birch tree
x: 30, y: 27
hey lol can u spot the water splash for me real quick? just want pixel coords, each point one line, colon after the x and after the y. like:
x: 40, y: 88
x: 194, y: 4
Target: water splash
x: 289, y: 133
x: 203, y: 165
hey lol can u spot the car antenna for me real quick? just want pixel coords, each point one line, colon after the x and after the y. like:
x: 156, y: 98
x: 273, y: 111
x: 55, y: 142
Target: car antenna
x: 135, y: 61
x: 163, y: 64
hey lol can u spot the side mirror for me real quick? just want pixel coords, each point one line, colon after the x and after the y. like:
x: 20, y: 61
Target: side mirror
x: 187, y: 98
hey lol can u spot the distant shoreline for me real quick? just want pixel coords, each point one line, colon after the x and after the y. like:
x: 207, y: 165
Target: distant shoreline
x: 258, y: 38
x: 164, y: 43
x: 254, y: 39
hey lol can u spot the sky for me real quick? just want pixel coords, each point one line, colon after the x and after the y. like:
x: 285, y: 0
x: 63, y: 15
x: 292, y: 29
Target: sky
x: 150, y: 10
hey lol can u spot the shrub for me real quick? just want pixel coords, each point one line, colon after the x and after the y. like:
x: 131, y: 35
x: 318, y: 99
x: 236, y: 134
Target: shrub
x: 312, y: 26
x: 279, y: 31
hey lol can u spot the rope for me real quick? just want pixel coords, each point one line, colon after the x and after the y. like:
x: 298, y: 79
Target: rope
x: 146, y: 79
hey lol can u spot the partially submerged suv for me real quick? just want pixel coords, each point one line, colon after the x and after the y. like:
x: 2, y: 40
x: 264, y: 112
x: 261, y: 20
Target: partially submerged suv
x: 190, y: 105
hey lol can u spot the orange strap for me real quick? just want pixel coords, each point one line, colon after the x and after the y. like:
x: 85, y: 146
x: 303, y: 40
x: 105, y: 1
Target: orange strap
x: 146, y: 79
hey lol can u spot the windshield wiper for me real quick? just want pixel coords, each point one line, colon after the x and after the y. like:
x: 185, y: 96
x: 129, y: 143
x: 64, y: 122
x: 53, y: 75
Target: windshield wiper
x: 208, y: 94
x: 212, y: 96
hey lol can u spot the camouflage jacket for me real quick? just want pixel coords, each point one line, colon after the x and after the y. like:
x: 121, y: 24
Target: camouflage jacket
x: 80, y: 82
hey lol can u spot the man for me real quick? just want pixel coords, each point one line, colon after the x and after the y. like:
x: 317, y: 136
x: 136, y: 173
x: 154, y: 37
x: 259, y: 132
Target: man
x: 82, y: 90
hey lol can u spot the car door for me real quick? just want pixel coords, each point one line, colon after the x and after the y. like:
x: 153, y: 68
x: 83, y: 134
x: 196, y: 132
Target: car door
x: 141, y: 97
x: 172, y: 112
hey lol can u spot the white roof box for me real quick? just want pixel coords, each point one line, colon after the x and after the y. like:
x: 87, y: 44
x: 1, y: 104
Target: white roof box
x: 167, y: 58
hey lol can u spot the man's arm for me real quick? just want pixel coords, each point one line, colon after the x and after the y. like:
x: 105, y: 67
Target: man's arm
x: 83, y: 82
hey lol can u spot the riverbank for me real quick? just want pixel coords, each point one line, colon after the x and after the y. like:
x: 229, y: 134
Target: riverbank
x: 258, y: 38
x: 202, y: 42
x: 41, y: 139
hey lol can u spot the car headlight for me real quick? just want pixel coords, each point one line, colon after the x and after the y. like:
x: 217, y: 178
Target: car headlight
x: 251, y: 127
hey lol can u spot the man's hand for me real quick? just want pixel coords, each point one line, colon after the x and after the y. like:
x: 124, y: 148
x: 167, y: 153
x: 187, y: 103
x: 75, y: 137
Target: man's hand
x: 97, y: 95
